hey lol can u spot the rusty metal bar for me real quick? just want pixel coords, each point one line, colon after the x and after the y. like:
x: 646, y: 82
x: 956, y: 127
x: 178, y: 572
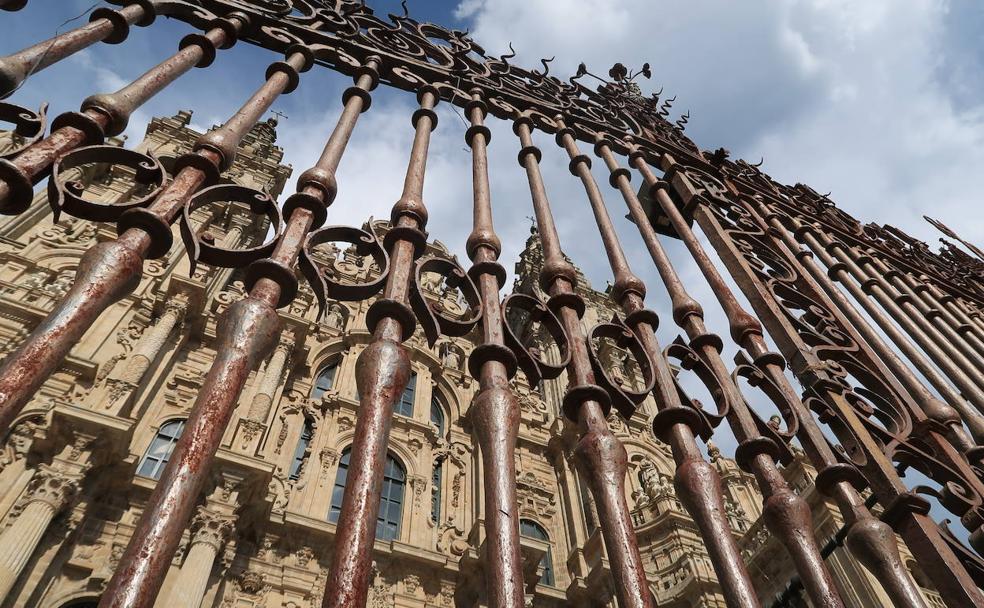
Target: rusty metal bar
x: 105, y: 115
x: 905, y: 511
x: 946, y: 303
x: 382, y: 373
x: 105, y: 25
x: 972, y: 310
x: 933, y: 295
x: 698, y: 483
x: 108, y: 271
x: 495, y: 411
x: 971, y: 391
x: 939, y: 344
x: 940, y: 317
x: 247, y: 331
x: 965, y: 342
x: 786, y: 514
x: 844, y: 270
x: 599, y: 453
x: 870, y: 540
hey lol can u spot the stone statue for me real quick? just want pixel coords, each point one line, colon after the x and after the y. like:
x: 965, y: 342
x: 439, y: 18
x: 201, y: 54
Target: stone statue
x: 335, y: 317
x: 452, y: 358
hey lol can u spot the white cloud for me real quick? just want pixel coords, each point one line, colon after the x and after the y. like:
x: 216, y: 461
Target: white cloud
x: 843, y: 94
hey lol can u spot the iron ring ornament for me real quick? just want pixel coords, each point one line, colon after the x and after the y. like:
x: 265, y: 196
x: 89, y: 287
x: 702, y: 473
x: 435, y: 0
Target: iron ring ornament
x: 432, y: 315
x: 701, y: 421
x: 29, y: 126
x: 66, y: 193
x: 204, y: 251
x: 529, y: 357
x: 623, y: 398
x: 325, y: 282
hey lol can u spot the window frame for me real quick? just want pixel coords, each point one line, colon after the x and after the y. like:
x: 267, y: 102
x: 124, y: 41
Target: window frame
x: 318, y: 391
x: 169, y: 442
x: 300, y: 450
x: 540, y: 533
x: 394, y: 477
x: 404, y: 406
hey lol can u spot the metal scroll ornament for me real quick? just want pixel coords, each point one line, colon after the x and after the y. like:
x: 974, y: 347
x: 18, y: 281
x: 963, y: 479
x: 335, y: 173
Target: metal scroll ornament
x: 324, y: 281
x: 529, y: 358
x: 28, y: 127
x: 67, y: 194
x: 624, y: 398
x: 433, y: 317
x: 201, y: 250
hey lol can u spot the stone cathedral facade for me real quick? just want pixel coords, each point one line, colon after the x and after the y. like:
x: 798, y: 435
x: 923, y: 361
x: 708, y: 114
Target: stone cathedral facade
x: 84, y: 456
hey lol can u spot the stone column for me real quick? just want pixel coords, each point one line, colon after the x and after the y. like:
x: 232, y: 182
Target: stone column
x: 153, y: 341
x: 259, y: 409
x: 209, y: 533
x: 232, y: 237
x: 47, y: 493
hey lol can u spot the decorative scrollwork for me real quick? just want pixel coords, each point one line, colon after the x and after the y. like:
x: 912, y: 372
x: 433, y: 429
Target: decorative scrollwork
x: 760, y: 381
x: 689, y: 361
x: 624, y: 398
x: 205, y: 251
x: 432, y: 314
x: 28, y: 127
x: 324, y: 281
x: 530, y: 359
x: 65, y: 193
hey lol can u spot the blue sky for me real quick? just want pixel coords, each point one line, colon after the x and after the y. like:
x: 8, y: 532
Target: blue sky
x: 879, y: 102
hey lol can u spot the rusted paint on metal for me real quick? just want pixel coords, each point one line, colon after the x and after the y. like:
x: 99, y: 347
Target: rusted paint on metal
x: 495, y: 413
x: 599, y: 454
x: 248, y: 330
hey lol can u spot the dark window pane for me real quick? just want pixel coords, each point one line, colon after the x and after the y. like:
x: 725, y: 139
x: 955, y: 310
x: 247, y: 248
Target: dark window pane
x: 300, y: 452
x: 325, y: 380
x: 404, y: 406
x: 532, y: 529
x: 390, y: 500
x: 437, y: 416
x: 160, y: 449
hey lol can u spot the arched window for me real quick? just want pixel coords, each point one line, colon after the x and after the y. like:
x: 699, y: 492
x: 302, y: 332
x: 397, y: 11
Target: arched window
x: 531, y: 529
x: 437, y: 416
x: 325, y: 380
x: 437, y: 473
x: 300, y: 452
x: 390, y: 500
x: 404, y: 406
x: 159, y: 452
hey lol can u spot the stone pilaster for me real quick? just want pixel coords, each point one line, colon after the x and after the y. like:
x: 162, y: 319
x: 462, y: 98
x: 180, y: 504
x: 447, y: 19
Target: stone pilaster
x: 259, y: 409
x: 153, y: 341
x: 209, y: 532
x: 48, y: 492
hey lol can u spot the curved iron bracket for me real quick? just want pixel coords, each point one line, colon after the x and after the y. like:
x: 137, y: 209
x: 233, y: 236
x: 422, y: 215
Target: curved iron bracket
x: 528, y: 358
x: 624, y: 399
x: 201, y: 250
x: 66, y: 194
x: 431, y: 315
x: 323, y: 280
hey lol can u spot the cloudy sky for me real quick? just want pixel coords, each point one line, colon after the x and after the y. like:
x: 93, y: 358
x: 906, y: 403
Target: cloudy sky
x: 880, y: 102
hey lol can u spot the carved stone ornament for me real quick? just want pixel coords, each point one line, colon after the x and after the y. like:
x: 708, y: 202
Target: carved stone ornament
x: 211, y: 528
x: 51, y: 486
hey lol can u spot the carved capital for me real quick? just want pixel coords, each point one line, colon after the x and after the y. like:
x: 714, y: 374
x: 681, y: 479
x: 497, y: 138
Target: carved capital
x: 51, y: 486
x: 211, y: 528
x: 176, y: 306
